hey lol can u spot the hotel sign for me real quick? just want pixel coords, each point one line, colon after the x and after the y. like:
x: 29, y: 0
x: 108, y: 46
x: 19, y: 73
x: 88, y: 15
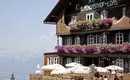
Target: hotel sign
x: 106, y: 3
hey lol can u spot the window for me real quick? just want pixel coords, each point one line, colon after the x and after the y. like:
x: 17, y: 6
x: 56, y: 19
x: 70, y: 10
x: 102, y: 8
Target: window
x: 91, y: 1
x: 73, y: 19
x: 90, y: 16
x: 49, y: 61
x: 68, y: 60
x: 90, y: 39
x: 104, y: 14
x: 77, y: 7
x: 56, y: 60
x: 119, y: 62
x: 103, y: 38
x: 77, y: 40
x: 96, y: 39
x: 119, y: 38
x: 123, y: 11
x: 101, y: 62
x: 68, y: 41
x: 77, y: 60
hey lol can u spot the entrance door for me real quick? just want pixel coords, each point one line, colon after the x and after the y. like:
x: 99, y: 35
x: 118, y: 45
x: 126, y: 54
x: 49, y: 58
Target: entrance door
x: 101, y: 62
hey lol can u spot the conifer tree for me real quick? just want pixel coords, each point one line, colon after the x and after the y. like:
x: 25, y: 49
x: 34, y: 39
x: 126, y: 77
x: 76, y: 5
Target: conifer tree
x: 12, y: 77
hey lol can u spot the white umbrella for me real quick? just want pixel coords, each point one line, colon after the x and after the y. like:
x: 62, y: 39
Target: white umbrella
x: 51, y: 67
x: 114, y: 67
x: 80, y: 69
x: 101, y: 69
x: 59, y: 70
x: 73, y: 64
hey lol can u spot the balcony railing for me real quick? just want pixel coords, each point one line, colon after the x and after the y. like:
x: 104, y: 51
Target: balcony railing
x: 96, y: 48
x: 94, y: 24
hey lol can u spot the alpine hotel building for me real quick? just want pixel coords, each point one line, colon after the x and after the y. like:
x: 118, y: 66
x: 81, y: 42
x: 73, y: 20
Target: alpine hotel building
x: 92, y: 31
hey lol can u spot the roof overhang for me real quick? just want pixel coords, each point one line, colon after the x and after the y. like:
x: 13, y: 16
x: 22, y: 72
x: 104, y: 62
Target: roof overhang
x: 56, y: 12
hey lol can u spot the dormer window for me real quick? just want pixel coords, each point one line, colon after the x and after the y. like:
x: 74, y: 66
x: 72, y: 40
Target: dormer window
x: 90, y: 16
x: 119, y: 38
x: 77, y: 40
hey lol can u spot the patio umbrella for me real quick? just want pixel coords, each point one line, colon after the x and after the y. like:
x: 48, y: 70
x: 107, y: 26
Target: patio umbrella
x: 80, y: 69
x: 101, y: 69
x: 60, y: 70
x: 51, y: 67
x: 114, y: 67
x: 73, y: 64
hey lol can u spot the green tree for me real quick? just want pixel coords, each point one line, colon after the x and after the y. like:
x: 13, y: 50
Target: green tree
x: 12, y: 77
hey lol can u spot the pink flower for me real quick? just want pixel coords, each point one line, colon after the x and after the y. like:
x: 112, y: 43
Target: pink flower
x: 94, y: 49
x: 106, y: 22
x: 71, y: 25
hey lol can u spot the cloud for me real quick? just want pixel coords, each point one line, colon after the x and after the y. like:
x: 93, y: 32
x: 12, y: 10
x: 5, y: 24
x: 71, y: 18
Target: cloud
x: 32, y: 48
x: 43, y: 37
x: 24, y: 47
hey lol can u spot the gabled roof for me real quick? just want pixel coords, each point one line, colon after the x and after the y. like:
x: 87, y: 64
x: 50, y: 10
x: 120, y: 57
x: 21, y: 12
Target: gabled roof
x: 123, y: 23
x: 56, y: 12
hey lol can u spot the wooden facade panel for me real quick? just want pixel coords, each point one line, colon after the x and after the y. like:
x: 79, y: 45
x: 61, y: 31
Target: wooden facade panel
x: 47, y: 72
x: 35, y: 77
x: 46, y: 56
x: 82, y: 39
x: 126, y: 36
x: 112, y: 55
x: 110, y: 38
x: 45, y: 60
x: 62, y: 28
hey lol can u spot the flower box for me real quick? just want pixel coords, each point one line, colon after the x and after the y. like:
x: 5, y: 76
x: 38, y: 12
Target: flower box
x: 97, y: 48
x: 94, y: 24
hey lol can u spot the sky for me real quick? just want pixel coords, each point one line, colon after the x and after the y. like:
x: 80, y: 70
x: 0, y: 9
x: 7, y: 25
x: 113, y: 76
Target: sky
x: 22, y: 31
x: 23, y: 35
